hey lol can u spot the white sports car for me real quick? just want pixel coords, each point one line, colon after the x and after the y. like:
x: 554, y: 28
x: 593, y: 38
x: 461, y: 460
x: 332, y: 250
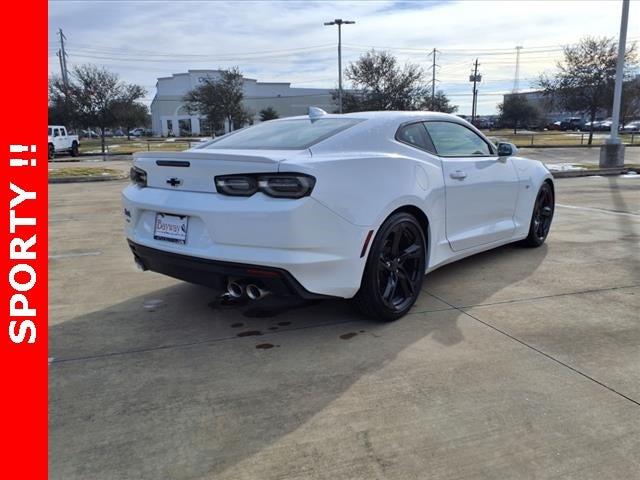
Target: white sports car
x: 355, y: 206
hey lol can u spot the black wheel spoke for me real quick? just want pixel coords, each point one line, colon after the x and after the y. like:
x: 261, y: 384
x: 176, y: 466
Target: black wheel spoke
x: 397, y: 237
x: 405, y: 281
x: 412, y: 251
x: 390, y: 289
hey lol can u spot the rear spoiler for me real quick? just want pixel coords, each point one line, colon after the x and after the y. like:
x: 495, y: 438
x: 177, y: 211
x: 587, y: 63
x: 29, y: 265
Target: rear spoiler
x: 210, y: 155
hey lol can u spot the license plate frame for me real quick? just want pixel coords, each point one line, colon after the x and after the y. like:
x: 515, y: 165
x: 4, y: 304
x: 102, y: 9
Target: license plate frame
x: 173, y: 228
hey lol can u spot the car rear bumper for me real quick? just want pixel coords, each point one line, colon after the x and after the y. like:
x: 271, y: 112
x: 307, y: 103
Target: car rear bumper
x: 216, y: 274
x: 317, y: 252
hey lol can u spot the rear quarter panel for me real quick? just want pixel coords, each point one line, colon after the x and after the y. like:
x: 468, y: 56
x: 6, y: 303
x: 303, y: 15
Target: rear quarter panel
x: 531, y: 175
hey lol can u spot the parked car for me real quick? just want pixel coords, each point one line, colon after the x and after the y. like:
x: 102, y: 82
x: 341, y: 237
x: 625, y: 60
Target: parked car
x: 140, y: 132
x: 356, y: 206
x: 632, y: 127
x: 60, y: 141
x: 554, y: 125
x: 88, y: 134
x: 572, y: 123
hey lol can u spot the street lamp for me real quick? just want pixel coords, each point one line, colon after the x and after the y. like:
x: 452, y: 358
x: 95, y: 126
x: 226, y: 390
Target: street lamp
x: 612, y: 152
x: 340, y: 22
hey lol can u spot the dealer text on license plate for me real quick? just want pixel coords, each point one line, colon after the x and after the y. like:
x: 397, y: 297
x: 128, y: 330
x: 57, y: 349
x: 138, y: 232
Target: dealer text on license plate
x: 171, y: 228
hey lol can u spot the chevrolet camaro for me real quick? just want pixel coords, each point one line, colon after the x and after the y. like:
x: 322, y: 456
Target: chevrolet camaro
x: 358, y: 206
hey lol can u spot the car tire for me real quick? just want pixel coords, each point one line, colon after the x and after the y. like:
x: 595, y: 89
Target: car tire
x: 394, y: 270
x: 74, y: 149
x: 52, y: 151
x: 541, y: 216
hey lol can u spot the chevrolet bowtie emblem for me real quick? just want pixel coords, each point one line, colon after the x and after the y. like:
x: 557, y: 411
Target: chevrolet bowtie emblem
x: 174, y: 182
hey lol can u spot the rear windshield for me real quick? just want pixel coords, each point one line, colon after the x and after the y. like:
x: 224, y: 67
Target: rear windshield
x: 283, y: 135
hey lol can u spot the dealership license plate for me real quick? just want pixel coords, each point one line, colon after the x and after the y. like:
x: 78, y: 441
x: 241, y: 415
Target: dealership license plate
x: 171, y: 228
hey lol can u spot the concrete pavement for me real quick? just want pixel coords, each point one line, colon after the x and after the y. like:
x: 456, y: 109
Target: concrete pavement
x: 515, y: 363
x: 589, y: 156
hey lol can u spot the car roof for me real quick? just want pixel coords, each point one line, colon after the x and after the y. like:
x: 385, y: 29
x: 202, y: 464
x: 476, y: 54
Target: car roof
x: 391, y: 117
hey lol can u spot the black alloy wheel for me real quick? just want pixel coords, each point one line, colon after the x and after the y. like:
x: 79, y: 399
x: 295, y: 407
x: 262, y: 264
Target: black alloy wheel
x: 395, y: 269
x: 542, y: 216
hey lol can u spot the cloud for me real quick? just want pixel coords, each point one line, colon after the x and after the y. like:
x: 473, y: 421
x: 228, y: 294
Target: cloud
x: 142, y: 40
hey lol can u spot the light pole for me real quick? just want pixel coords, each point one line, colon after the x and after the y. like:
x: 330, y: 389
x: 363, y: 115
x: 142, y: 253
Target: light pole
x: 340, y: 22
x: 612, y: 152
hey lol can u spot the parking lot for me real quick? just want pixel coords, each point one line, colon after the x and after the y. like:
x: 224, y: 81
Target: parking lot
x: 515, y: 363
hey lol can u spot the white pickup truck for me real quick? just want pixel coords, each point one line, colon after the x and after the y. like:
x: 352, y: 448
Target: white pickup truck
x: 60, y: 141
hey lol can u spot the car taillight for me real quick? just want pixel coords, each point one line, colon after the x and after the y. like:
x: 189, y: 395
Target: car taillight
x: 278, y: 185
x: 236, y: 185
x: 138, y: 176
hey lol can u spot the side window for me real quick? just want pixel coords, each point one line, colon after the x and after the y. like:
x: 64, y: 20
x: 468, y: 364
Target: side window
x: 50, y: 131
x: 63, y: 132
x: 56, y: 132
x: 415, y: 134
x: 455, y: 140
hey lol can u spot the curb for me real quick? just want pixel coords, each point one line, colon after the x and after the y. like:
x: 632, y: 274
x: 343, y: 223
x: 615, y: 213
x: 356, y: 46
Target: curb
x: 590, y: 172
x: 542, y: 147
x: 104, y: 178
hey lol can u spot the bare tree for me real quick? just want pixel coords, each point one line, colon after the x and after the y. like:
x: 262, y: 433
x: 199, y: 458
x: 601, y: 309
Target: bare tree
x: 92, y: 95
x: 380, y: 83
x: 585, y: 78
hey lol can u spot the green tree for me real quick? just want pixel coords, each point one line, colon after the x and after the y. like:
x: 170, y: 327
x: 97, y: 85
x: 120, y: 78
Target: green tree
x: 585, y: 78
x: 380, y: 83
x: 516, y: 111
x: 439, y: 103
x: 92, y: 96
x: 268, y: 113
x: 220, y: 100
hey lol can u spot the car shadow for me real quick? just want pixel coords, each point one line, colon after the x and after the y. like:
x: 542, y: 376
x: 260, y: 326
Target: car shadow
x: 179, y: 384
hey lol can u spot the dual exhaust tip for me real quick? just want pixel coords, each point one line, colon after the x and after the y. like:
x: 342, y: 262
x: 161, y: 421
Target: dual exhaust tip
x: 239, y: 288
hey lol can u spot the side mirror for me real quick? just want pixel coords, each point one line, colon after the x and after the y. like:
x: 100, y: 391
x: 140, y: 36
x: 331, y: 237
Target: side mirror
x: 506, y: 149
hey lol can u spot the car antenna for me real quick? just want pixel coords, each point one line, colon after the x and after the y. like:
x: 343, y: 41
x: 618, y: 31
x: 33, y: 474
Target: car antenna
x: 315, y: 113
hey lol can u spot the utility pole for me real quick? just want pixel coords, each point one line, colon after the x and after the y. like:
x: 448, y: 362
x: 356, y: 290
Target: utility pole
x: 62, y: 55
x: 516, y: 80
x: 612, y: 152
x: 475, y: 77
x: 339, y: 22
x: 433, y: 79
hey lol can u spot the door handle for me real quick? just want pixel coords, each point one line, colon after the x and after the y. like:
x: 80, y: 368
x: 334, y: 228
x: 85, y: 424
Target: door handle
x: 458, y: 175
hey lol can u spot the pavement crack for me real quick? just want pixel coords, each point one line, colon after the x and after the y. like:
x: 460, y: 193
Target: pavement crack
x: 539, y: 351
x: 542, y: 297
x: 56, y: 360
x: 599, y: 210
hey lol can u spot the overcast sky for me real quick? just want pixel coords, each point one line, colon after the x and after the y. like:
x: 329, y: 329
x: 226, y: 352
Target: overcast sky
x: 286, y: 41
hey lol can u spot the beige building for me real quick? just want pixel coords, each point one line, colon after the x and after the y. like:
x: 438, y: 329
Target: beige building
x: 169, y: 115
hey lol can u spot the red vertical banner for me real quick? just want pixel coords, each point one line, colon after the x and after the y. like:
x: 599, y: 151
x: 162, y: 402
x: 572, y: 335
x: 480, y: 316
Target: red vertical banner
x: 23, y: 182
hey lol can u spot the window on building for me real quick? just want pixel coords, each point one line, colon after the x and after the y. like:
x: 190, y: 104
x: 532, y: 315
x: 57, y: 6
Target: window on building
x: 205, y: 127
x: 184, y: 125
x: 170, y: 128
